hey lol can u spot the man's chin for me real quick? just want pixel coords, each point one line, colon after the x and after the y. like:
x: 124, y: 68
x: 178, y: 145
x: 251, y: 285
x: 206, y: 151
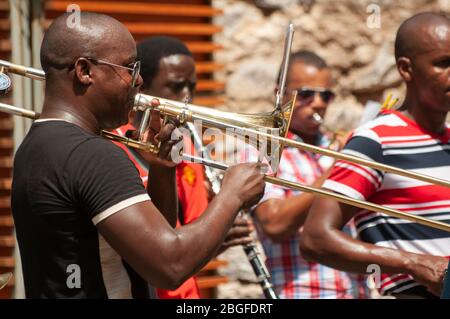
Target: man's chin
x: 312, y: 130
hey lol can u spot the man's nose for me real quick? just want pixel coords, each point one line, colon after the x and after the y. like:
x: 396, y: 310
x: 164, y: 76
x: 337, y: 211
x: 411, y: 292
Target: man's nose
x: 318, y: 101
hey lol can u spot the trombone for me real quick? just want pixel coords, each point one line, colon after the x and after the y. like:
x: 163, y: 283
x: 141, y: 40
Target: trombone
x: 274, y: 122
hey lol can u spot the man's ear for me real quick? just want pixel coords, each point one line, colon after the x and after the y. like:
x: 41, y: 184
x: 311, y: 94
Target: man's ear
x: 83, y: 71
x: 404, y: 67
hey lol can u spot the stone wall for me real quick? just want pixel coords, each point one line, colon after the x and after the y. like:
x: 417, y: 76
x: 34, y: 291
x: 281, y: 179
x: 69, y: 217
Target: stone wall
x: 354, y: 36
x: 355, y: 40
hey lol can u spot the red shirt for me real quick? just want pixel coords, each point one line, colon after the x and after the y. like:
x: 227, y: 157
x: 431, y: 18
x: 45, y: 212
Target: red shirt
x: 193, y: 197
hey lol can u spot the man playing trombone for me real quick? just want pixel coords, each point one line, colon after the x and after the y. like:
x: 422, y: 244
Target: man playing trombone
x: 281, y: 213
x: 78, y: 202
x: 411, y: 257
x: 168, y: 71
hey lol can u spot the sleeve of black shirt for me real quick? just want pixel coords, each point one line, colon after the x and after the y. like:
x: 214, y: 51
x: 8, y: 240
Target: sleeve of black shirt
x: 103, y: 179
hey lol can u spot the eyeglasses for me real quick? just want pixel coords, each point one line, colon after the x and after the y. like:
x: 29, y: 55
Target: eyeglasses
x: 307, y: 94
x: 133, y: 68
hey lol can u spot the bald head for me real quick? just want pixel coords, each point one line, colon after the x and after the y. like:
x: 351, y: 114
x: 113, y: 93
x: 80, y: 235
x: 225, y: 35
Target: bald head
x: 97, y: 36
x: 88, y: 68
x: 421, y: 33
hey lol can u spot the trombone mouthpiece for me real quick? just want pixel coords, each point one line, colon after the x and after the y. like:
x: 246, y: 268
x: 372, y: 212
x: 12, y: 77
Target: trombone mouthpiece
x: 141, y: 102
x: 136, y: 102
x: 317, y: 118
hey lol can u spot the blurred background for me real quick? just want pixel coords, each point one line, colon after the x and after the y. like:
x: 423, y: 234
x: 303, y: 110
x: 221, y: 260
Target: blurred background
x: 237, y: 45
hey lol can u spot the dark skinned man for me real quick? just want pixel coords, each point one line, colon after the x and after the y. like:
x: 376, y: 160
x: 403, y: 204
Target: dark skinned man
x: 78, y: 202
x: 416, y: 137
x: 168, y: 71
x: 281, y: 213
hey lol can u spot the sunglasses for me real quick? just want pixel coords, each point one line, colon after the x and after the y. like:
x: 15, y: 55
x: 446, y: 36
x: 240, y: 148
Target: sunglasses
x: 133, y: 68
x: 307, y: 95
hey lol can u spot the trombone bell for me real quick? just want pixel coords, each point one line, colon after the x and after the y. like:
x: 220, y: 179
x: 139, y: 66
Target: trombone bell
x: 275, y: 123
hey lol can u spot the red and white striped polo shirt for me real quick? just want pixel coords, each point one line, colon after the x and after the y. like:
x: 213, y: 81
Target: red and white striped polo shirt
x: 396, y: 140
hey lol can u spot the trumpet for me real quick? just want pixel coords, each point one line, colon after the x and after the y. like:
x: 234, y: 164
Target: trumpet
x: 272, y: 126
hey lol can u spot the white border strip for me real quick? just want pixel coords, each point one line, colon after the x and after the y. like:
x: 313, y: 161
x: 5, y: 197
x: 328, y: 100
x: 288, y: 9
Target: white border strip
x: 119, y: 206
x: 342, y: 189
x: 50, y: 119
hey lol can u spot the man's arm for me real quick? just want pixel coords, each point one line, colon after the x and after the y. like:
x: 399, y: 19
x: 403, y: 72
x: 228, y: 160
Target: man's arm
x: 280, y: 218
x: 166, y: 257
x: 162, y: 185
x: 323, y: 241
x: 162, y: 189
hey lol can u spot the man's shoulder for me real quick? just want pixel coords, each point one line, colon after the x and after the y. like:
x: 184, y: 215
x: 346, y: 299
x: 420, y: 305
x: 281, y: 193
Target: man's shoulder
x: 65, y: 140
x: 57, y: 133
x: 383, y: 127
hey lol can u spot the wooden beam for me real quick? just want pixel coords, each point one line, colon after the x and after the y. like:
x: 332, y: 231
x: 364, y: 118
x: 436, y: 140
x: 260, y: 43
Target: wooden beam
x: 6, y: 142
x: 137, y: 8
x: 7, y: 262
x: 149, y: 28
x: 6, y: 124
x: 6, y: 162
x: 209, y: 85
x: 4, y: 6
x: 6, y: 184
x: 208, y: 67
x: 7, y: 241
x: 203, y: 47
x: 6, y: 221
x: 209, y: 100
x: 214, y: 264
x: 210, y: 281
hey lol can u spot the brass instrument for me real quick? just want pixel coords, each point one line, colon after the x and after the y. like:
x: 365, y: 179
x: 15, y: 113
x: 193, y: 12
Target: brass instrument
x: 251, y: 123
x: 250, y: 250
x: 4, y: 279
x: 274, y: 122
x: 334, y: 141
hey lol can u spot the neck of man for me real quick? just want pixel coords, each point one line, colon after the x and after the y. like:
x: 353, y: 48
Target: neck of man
x: 56, y: 107
x: 429, y: 119
x: 309, y: 139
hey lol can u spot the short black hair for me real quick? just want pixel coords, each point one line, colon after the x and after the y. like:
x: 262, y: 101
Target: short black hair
x: 308, y: 58
x: 151, y: 50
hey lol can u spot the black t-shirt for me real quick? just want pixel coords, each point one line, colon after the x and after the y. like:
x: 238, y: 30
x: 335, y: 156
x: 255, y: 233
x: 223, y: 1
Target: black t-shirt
x: 65, y: 182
